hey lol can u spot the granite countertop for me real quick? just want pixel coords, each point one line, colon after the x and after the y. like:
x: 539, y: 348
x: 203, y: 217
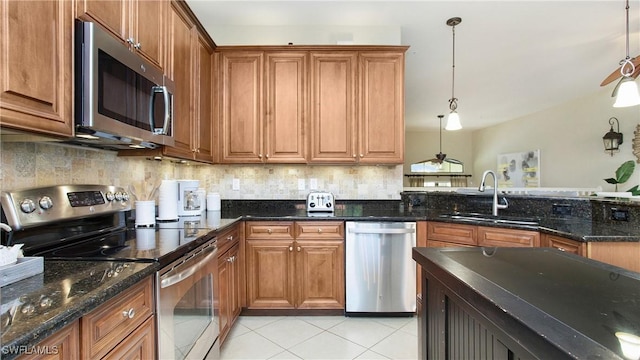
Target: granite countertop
x: 576, y: 303
x: 64, y: 292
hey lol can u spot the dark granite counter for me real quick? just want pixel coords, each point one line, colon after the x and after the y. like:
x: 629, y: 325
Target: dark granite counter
x: 546, y: 302
x: 64, y: 292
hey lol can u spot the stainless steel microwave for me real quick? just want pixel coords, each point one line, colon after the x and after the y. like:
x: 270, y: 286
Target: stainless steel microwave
x: 121, y: 100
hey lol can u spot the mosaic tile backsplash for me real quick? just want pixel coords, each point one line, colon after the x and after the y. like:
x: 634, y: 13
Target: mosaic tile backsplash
x: 27, y: 165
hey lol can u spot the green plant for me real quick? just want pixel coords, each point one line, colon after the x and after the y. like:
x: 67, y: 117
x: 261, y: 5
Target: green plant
x: 623, y: 173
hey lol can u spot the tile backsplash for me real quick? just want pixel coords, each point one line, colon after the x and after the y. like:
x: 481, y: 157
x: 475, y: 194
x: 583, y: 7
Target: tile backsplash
x: 27, y: 165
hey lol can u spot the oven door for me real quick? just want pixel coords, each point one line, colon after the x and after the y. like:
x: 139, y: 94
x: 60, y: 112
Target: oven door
x: 188, y: 323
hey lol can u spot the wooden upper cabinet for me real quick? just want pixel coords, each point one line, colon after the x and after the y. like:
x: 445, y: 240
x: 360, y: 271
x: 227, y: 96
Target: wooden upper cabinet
x: 203, y: 118
x: 381, y: 113
x: 36, y: 66
x: 333, y: 106
x: 180, y: 70
x: 138, y: 23
x: 286, y: 107
x: 241, y: 112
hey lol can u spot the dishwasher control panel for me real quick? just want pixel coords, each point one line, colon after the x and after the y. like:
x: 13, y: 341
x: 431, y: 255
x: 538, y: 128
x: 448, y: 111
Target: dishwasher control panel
x: 320, y: 201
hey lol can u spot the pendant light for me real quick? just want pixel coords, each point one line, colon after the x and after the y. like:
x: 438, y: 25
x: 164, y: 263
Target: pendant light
x: 626, y: 91
x: 453, y: 120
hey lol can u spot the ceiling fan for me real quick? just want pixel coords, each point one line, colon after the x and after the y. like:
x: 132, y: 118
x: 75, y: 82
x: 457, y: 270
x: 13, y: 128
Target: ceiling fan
x: 629, y: 67
x: 440, y: 157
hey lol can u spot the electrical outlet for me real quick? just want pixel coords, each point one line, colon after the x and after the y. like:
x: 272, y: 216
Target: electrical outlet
x: 313, y: 184
x: 301, y: 185
x: 236, y: 184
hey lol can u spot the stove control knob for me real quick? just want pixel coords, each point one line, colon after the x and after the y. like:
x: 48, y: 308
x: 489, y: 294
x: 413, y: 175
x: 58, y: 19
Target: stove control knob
x: 110, y: 196
x: 27, y: 206
x: 45, y: 202
x: 119, y: 196
x: 125, y: 196
x: 45, y: 302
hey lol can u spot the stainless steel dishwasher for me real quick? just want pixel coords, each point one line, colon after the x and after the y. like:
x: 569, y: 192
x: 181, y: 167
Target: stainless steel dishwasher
x: 380, y: 273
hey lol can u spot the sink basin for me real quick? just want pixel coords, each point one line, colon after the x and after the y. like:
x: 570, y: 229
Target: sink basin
x: 485, y: 218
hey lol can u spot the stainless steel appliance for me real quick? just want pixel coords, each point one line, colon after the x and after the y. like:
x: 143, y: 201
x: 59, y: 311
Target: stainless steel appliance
x: 121, y: 100
x: 88, y: 222
x: 380, y: 273
x: 320, y: 201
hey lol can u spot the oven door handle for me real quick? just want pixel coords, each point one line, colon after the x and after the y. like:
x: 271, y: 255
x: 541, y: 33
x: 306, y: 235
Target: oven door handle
x: 174, y: 279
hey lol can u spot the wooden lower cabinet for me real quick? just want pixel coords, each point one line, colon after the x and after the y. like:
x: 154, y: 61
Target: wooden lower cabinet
x: 563, y: 244
x: 107, y: 329
x: 304, y: 270
x: 493, y: 236
x: 623, y: 254
x: 229, y: 289
x: 63, y: 345
x: 122, y: 328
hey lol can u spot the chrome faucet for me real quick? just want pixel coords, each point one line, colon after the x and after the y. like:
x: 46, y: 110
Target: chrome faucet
x: 495, y: 206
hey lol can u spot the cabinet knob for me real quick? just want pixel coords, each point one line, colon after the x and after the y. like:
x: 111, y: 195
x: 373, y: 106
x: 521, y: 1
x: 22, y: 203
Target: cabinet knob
x: 138, y: 46
x: 230, y: 238
x: 260, y: 156
x: 269, y: 231
x: 131, y: 40
x: 290, y: 248
x: 361, y: 155
x: 561, y: 248
x: 129, y: 313
x: 319, y: 230
x: 299, y: 248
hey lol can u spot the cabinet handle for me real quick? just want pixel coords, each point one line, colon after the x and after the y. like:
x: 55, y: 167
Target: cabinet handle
x: 299, y: 248
x: 260, y: 156
x: 131, y: 40
x: 269, y: 231
x: 230, y: 238
x: 319, y: 230
x: 138, y: 46
x: 290, y: 248
x: 129, y: 313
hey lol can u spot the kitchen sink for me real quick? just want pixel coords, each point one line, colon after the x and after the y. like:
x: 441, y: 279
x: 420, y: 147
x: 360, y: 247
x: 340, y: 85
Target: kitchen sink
x: 486, y: 218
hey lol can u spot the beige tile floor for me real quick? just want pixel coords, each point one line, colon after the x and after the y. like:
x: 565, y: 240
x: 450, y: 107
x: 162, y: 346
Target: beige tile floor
x: 321, y: 337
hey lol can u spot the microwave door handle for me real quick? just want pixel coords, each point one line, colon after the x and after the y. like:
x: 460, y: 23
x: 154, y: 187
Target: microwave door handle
x: 167, y: 118
x: 183, y: 275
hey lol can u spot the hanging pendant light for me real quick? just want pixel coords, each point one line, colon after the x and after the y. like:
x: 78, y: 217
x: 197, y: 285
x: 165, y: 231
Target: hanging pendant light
x: 626, y: 91
x: 453, y: 120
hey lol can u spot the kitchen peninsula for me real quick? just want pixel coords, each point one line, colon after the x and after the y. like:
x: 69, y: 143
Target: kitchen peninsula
x: 499, y: 303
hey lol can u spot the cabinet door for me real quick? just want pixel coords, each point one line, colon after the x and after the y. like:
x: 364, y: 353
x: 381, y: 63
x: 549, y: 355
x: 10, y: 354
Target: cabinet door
x: 36, y: 66
x: 224, y: 281
x: 66, y: 343
x: 203, y: 119
x: 148, y: 29
x: 241, y: 106
x: 181, y: 72
x: 286, y: 107
x: 440, y: 232
x: 270, y: 276
x: 563, y: 244
x: 491, y: 236
x: 235, y: 293
x: 320, y: 274
x: 381, y: 112
x: 112, y: 15
x: 333, y: 107
x: 141, y: 344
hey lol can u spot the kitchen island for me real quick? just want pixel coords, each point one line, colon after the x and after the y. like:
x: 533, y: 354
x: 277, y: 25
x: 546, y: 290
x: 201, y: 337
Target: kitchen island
x: 523, y: 303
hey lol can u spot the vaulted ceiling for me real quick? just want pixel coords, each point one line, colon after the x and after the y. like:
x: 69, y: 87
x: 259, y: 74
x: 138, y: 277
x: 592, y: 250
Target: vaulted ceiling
x: 513, y: 58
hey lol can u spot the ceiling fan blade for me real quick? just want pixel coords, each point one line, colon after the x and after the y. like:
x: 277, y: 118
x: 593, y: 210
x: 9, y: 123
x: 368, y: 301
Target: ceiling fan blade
x: 616, y: 74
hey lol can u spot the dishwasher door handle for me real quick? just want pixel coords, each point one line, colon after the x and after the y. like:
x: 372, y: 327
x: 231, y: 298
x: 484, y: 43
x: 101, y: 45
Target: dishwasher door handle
x: 381, y: 231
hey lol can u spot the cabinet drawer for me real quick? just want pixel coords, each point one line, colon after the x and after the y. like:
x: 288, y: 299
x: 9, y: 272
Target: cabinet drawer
x: 320, y: 230
x: 436, y: 243
x: 227, y: 238
x: 452, y: 233
x: 563, y: 244
x: 269, y: 230
x: 107, y: 326
x: 490, y: 236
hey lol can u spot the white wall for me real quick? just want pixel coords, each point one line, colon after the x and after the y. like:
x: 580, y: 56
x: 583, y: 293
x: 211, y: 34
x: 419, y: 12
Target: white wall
x: 569, y: 137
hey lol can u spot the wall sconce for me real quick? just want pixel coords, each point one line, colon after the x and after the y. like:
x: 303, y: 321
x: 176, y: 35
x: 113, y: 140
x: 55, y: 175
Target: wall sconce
x: 612, y: 139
